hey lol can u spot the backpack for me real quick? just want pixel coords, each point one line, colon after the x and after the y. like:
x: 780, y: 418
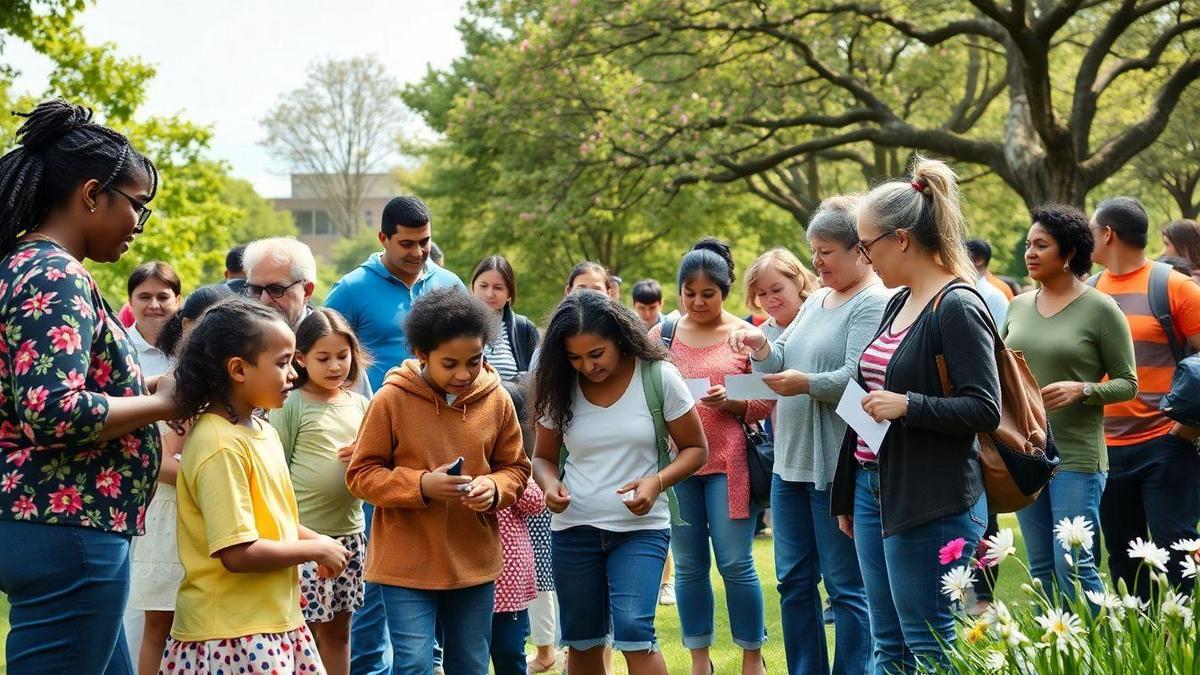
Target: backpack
x: 1182, y: 403
x: 652, y: 387
x: 1019, y: 458
x: 760, y: 445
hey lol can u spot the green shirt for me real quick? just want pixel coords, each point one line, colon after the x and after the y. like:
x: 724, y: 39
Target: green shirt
x: 1083, y: 342
x: 312, y: 432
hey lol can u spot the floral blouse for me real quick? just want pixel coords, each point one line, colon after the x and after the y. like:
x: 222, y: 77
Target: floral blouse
x: 61, y: 348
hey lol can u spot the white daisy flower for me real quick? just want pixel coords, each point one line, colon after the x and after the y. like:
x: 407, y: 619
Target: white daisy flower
x: 1187, y: 546
x: 996, y: 661
x: 1174, y: 606
x: 957, y: 582
x: 997, y: 614
x: 1153, y: 556
x: 1074, y: 532
x: 1011, y: 634
x: 1109, y: 601
x: 1062, y: 627
x: 1134, y: 603
x: 1189, y: 567
x: 1000, y: 546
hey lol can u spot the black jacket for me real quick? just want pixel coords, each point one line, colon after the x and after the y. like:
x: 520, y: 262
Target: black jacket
x: 522, y: 337
x: 929, y: 460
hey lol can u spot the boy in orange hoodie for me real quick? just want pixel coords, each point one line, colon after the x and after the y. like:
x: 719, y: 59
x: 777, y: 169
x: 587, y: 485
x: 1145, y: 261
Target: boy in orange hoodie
x: 435, y: 542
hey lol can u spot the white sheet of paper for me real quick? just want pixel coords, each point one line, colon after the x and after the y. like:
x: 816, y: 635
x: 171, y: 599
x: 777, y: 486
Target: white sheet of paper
x: 699, y: 387
x: 748, y: 388
x: 849, y: 408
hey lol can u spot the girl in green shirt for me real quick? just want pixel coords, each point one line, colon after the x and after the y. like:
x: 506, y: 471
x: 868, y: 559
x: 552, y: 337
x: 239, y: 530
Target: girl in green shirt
x: 1078, y: 345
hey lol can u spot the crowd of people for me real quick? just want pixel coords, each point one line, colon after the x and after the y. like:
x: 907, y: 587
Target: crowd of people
x: 415, y: 478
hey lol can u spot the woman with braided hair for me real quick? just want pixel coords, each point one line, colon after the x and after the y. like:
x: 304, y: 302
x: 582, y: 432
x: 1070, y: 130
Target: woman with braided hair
x: 77, y: 432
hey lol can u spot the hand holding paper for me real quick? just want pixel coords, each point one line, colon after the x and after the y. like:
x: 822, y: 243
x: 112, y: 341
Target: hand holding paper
x: 748, y: 388
x: 850, y: 409
x: 698, y: 386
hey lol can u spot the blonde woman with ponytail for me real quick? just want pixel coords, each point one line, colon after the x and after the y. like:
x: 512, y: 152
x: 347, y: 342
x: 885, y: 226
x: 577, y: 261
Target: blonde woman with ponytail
x: 922, y: 487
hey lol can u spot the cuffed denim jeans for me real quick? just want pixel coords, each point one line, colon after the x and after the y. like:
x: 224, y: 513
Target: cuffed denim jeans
x: 910, y: 616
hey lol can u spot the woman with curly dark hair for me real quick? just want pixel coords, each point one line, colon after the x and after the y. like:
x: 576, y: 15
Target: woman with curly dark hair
x: 606, y: 400
x: 1077, y: 343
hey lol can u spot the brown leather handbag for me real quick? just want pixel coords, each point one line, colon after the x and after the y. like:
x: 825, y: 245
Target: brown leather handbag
x: 1019, y: 458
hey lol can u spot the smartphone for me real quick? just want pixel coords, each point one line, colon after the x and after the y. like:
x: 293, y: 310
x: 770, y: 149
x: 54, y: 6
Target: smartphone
x: 455, y: 468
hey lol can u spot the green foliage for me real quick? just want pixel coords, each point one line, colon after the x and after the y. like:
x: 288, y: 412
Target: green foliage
x: 258, y: 218
x: 349, y: 253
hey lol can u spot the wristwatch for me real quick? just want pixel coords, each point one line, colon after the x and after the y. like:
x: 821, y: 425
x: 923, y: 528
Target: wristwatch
x: 1088, y: 389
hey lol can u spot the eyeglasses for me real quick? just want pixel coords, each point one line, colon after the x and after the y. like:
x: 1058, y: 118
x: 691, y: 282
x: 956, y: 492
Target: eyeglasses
x: 865, y: 247
x: 139, y: 208
x: 273, y: 290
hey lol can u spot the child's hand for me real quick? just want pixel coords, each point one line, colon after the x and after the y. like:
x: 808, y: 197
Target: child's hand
x: 557, y: 497
x: 481, y: 495
x: 346, y: 454
x: 438, y: 484
x: 330, y: 556
x: 645, y: 493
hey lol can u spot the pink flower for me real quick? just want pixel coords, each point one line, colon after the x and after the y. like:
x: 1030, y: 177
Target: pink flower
x: 26, y: 356
x: 24, y: 508
x: 35, y: 399
x: 101, y: 371
x: 19, y: 457
x: 20, y: 258
x: 81, y: 307
x: 953, y: 550
x: 117, y: 520
x: 140, y: 521
x: 11, y: 481
x: 54, y: 274
x: 109, y: 483
x: 982, y: 562
x: 75, y: 380
x: 130, y: 446
x: 38, y: 304
x: 66, y: 499
x: 65, y: 339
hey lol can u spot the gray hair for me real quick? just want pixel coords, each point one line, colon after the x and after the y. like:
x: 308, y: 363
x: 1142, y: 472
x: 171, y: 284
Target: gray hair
x: 836, y: 221
x: 285, y: 251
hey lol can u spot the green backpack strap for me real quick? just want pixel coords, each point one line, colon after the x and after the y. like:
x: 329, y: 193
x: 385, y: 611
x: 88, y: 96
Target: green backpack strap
x: 652, y: 385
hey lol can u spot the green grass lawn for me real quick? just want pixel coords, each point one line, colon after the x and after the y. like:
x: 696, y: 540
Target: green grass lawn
x: 726, y: 657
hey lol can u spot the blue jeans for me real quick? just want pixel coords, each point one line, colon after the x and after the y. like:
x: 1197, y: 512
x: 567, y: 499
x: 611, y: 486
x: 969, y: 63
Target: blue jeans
x: 1069, y: 494
x: 509, y: 630
x: 464, y: 616
x: 902, y: 575
x: 370, y: 648
x: 809, y: 545
x: 607, y: 584
x: 67, y: 586
x: 1151, y: 486
x: 704, y: 506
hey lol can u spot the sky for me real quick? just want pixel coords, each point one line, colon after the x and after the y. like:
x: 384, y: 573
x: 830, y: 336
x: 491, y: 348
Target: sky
x: 225, y: 63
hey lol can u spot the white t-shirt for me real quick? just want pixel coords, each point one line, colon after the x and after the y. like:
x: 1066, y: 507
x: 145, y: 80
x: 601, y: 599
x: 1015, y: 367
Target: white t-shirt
x: 608, y: 447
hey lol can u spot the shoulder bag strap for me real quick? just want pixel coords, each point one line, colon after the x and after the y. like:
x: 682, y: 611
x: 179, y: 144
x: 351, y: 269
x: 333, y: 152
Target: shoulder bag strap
x: 652, y: 387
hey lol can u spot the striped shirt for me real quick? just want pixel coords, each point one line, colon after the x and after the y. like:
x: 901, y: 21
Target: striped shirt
x: 873, y: 367
x: 500, y: 355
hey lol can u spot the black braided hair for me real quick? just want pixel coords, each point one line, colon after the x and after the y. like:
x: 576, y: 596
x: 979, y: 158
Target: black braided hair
x: 59, y: 147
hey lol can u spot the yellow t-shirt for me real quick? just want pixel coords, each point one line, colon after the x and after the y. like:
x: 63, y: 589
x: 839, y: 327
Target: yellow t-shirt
x: 233, y: 488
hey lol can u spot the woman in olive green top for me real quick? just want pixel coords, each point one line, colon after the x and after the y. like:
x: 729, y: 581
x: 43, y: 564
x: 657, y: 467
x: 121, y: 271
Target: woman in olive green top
x: 1073, y: 336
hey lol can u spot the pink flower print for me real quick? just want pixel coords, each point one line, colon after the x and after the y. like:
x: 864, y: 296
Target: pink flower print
x: 3, y: 288
x: 66, y: 499
x: 953, y: 550
x: 20, y: 258
x: 19, y: 457
x: 75, y: 269
x: 130, y: 446
x: 140, y: 520
x: 68, y: 402
x: 54, y: 274
x: 117, y: 520
x: 65, y: 339
x: 75, y: 380
x: 61, y: 429
x: 26, y: 356
x: 81, y: 307
x: 24, y: 508
x: 108, y: 482
x: 40, y: 303
x: 35, y: 399
x: 11, y: 481
x: 101, y: 371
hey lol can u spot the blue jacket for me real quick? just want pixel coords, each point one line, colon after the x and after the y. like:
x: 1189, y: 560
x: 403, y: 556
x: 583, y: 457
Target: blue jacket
x: 376, y: 304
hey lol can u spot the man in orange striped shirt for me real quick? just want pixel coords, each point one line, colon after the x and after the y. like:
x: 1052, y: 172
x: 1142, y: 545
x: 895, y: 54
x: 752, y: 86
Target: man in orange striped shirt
x: 1154, y: 469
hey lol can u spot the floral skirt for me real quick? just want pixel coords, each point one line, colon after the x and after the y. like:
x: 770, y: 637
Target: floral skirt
x: 321, y: 599
x: 291, y: 652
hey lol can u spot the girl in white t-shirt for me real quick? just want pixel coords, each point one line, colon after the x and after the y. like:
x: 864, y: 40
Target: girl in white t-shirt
x: 611, y: 523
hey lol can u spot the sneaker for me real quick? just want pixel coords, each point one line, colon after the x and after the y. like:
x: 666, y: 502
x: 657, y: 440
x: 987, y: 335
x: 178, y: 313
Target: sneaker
x: 666, y: 594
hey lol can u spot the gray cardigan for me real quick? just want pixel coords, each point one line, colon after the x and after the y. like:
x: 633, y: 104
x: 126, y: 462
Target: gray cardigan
x: 826, y: 344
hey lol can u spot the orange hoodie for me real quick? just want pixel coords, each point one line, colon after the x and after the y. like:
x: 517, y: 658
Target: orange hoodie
x: 408, y: 431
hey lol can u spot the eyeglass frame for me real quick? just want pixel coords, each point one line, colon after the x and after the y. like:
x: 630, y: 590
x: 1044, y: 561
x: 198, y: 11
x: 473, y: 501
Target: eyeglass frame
x: 864, y: 247
x: 283, y: 289
x: 143, y: 212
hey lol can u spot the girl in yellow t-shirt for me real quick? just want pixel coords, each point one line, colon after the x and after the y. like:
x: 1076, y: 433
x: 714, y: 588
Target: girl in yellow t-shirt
x: 318, y: 425
x: 240, y: 538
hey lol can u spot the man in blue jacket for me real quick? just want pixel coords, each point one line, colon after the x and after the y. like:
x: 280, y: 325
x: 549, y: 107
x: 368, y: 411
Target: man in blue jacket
x: 375, y: 299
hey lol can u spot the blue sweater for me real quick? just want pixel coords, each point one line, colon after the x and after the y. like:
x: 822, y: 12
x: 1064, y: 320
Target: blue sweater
x: 376, y: 304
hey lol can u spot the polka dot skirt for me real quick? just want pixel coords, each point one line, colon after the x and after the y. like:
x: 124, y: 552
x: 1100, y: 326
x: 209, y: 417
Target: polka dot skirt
x: 292, y: 652
x: 321, y: 599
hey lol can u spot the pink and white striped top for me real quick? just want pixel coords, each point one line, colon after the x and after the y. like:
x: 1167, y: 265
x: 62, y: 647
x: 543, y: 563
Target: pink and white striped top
x: 873, y: 366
